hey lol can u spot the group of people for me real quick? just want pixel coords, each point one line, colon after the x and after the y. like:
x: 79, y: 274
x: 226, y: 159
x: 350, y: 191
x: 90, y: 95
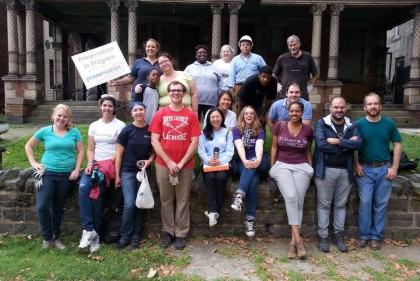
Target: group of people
x: 170, y: 135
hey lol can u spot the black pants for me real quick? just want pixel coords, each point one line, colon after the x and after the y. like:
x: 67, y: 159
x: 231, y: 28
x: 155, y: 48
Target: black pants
x: 202, y: 109
x: 215, y: 184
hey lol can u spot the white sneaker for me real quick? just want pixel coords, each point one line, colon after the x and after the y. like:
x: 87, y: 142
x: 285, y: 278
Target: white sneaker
x: 213, y: 219
x: 86, y: 238
x: 94, y: 243
x: 249, y: 228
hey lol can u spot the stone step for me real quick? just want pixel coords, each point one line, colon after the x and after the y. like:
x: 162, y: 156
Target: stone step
x: 71, y: 103
x: 389, y: 114
x: 74, y: 109
x: 75, y: 120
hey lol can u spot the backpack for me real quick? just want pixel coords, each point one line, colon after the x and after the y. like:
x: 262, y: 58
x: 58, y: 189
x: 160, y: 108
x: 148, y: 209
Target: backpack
x: 405, y: 163
x: 110, y: 227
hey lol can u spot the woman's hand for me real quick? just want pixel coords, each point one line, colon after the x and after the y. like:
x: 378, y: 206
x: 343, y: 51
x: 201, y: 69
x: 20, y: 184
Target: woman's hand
x: 248, y: 164
x: 37, y: 166
x: 214, y: 162
x: 112, y: 83
x: 255, y: 163
x: 88, y: 169
x: 117, y: 182
x: 74, y: 175
x: 138, y: 89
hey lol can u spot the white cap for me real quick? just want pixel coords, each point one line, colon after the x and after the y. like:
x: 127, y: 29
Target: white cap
x: 245, y: 38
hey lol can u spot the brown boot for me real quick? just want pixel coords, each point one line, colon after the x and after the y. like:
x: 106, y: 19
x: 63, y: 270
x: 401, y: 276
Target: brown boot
x: 291, y: 253
x: 301, y: 252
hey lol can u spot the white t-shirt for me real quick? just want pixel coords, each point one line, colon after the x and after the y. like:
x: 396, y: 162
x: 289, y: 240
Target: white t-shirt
x: 230, y: 119
x: 105, y: 136
x: 224, y: 69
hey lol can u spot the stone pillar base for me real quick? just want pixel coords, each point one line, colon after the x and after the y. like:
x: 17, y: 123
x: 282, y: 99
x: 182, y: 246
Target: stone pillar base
x: 412, y: 92
x: 321, y: 95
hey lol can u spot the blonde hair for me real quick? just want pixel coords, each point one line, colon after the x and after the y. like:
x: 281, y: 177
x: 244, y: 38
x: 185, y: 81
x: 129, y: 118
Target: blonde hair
x: 67, y: 109
x: 255, y: 125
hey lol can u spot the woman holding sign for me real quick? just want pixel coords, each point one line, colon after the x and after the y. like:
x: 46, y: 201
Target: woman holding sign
x: 216, y: 150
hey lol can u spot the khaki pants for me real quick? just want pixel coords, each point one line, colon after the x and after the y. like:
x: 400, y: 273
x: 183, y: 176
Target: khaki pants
x: 234, y: 103
x: 175, y: 201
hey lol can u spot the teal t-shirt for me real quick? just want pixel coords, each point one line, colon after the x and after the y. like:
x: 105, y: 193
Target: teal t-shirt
x: 59, y: 155
x: 377, y: 137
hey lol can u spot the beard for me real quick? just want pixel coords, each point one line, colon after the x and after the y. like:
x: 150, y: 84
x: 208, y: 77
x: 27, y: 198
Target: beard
x: 373, y: 113
x: 338, y: 118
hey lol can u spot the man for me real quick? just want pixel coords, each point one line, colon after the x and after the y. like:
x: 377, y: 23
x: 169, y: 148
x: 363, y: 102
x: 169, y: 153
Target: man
x: 374, y: 173
x: 242, y: 66
x: 296, y: 65
x: 175, y: 130
x: 255, y: 89
x: 280, y: 109
x: 336, y: 139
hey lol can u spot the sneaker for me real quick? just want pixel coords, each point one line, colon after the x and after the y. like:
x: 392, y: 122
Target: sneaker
x: 323, y: 245
x: 237, y: 203
x: 121, y: 245
x: 213, y: 219
x: 338, y: 240
x: 166, y: 240
x: 180, y: 243
x: 300, y: 249
x: 47, y: 244
x: 94, y: 244
x: 291, y: 252
x: 375, y: 245
x: 249, y: 228
x: 206, y: 214
x: 86, y: 238
x: 135, y: 244
x: 57, y: 243
x: 360, y: 243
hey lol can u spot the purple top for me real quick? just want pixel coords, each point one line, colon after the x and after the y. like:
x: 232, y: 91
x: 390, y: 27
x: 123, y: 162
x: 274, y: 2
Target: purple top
x: 249, y: 152
x: 291, y: 150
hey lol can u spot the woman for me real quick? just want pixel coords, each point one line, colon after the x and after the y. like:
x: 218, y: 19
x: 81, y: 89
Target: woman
x: 291, y: 161
x: 141, y: 67
x: 223, y: 64
x: 215, y: 136
x: 224, y: 103
x: 102, y: 145
x: 169, y: 75
x: 58, y: 166
x: 248, y: 137
x: 207, y: 78
x: 134, y: 144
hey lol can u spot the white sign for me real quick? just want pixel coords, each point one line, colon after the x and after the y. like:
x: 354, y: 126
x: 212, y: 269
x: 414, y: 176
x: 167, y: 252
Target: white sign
x: 100, y: 65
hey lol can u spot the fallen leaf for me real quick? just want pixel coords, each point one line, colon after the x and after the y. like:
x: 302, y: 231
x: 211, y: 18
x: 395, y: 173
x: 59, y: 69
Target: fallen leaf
x: 151, y: 273
x: 224, y: 271
x: 215, y: 250
x: 195, y: 264
x: 166, y: 272
x: 392, y: 256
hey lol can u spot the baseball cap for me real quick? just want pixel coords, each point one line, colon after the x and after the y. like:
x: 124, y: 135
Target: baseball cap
x: 245, y: 38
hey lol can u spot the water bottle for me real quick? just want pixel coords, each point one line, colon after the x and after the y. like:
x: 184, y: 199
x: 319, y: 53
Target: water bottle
x: 216, y: 153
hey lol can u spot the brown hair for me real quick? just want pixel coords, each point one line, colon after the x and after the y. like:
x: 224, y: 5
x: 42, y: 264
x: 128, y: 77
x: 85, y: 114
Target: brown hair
x: 372, y: 94
x: 255, y: 125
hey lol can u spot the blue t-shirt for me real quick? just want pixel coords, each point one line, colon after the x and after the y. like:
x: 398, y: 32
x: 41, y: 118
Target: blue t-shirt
x: 377, y: 137
x: 249, y: 152
x: 59, y: 155
x: 139, y: 70
x: 279, y: 111
x: 137, y: 143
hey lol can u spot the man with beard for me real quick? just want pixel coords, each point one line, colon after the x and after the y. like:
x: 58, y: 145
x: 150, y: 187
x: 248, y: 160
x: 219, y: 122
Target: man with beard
x: 336, y: 139
x: 374, y: 172
x: 296, y: 65
x: 280, y: 109
x: 256, y: 88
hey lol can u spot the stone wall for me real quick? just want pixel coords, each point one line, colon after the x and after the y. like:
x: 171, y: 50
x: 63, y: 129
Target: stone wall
x: 18, y: 213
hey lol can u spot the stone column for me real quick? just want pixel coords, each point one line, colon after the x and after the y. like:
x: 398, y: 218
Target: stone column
x: 21, y: 42
x: 115, y: 23
x: 233, y: 26
x: 12, y: 37
x: 58, y: 63
x: 78, y: 82
x: 334, y: 41
x: 216, y: 9
x: 317, y: 10
x: 412, y: 88
x: 132, y: 30
x: 31, y: 60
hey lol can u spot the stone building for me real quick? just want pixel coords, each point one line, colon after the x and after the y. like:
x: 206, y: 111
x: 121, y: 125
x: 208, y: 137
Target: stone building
x: 346, y: 37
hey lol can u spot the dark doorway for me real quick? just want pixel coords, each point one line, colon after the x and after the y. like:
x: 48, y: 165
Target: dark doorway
x: 189, y: 38
x: 401, y: 76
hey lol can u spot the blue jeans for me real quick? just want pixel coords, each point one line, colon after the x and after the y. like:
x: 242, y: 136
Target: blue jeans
x: 374, y: 192
x: 248, y: 185
x: 90, y: 209
x: 132, y: 218
x: 49, y: 202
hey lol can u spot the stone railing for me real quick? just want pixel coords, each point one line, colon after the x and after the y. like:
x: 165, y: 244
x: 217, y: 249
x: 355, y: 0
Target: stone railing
x: 18, y: 212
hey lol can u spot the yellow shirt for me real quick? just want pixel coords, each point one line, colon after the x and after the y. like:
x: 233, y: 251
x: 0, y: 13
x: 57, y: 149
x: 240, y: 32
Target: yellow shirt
x: 184, y: 78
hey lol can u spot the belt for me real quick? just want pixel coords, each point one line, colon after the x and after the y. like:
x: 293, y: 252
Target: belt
x: 375, y: 164
x: 239, y: 84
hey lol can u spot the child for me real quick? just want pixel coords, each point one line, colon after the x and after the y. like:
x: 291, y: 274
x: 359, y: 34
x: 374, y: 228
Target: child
x: 149, y: 95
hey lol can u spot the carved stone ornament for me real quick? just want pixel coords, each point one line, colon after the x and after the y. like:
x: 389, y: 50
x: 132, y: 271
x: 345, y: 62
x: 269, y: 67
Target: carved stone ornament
x: 131, y: 5
x: 216, y: 7
x: 318, y: 8
x: 336, y: 9
x: 234, y: 7
x: 113, y: 4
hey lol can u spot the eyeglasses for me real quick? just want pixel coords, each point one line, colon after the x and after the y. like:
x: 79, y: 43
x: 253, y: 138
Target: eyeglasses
x: 176, y: 91
x: 108, y: 96
x: 164, y: 61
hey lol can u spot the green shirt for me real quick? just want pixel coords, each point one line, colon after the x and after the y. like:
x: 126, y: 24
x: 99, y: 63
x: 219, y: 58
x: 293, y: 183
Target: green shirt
x: 377, y: 137
x: 59, y: 155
